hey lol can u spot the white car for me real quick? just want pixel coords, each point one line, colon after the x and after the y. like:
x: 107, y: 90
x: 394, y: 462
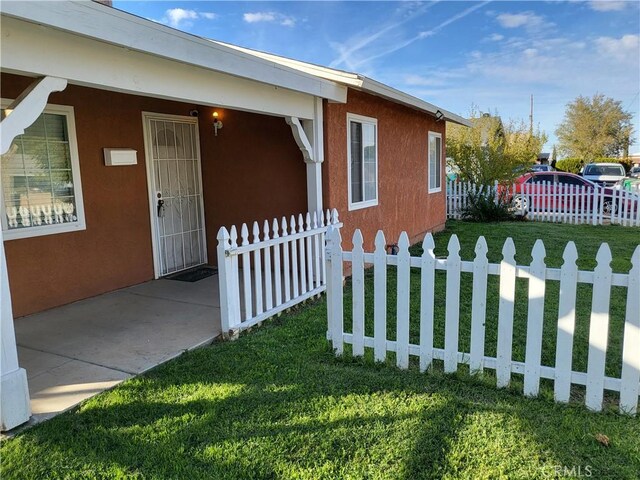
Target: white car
x: 605, y: 174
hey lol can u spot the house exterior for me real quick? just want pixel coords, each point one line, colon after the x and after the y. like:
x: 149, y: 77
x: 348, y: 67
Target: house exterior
x: 115, y: 170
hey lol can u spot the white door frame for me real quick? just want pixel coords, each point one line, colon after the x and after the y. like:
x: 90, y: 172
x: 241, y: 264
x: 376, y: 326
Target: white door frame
x: 148, y: 154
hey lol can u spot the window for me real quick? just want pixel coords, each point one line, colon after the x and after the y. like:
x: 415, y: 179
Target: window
x: 569, y: 180
x: 435, y: 162
x: 40, y: 175
x: 362, y: 152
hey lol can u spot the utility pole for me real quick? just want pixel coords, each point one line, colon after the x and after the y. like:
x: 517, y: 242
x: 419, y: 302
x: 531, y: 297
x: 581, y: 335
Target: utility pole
x: 531, y: 116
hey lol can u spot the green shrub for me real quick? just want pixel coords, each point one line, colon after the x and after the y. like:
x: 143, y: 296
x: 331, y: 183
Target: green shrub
x: 571, y: 165
x: 487, y: 207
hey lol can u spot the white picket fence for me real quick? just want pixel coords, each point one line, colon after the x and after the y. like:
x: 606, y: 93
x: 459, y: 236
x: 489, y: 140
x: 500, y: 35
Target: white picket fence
x: 282, y: 266
x: 555, y: 203
x: 537, y: 275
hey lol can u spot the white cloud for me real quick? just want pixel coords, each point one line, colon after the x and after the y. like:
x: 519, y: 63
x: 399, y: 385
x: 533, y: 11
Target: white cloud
x: 625, y: 48
x: 175, y: 16
x: 269, y: 17
x: 607, y: 5
x: 179, y: 17
x: 255, y: 17
x: 496, y: 37
x: 515, y: 20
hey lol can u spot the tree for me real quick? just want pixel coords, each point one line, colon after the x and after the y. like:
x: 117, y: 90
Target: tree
x: 595, y: 127
x: 491, y: 150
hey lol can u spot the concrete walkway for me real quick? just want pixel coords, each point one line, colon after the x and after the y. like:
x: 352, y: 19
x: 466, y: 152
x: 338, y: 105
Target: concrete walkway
x: 76, y: 351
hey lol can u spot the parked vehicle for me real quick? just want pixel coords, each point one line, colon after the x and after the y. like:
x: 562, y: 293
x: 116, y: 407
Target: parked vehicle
x: 544, y: 190
x: 634, y: 172
x: 606, y: 174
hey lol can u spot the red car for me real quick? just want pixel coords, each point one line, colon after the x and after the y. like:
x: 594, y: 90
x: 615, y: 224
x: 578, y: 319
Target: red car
x: 550, y: 191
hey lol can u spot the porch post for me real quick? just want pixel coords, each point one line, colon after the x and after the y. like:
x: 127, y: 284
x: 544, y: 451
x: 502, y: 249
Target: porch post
x: 15, y: 408
x: 14, y: 392
x: 309, y: 137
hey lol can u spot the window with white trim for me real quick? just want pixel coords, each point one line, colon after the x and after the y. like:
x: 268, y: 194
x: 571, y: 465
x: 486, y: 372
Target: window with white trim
x: 40, y: 178
x: 362, y: 152
x: 435, y: 162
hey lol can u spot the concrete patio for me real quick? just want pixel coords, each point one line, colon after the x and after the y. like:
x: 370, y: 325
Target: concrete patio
x: 76, y: 351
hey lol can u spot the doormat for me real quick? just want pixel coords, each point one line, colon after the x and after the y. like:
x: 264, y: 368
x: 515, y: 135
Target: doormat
x: 194, y: 274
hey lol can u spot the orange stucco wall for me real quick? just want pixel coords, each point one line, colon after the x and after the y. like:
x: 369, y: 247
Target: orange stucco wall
x: 403, y: 199
x: 252, y: 170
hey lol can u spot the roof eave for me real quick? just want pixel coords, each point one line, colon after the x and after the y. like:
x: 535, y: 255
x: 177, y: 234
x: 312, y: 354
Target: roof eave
x: 109, y: 25
x: 385, y: 91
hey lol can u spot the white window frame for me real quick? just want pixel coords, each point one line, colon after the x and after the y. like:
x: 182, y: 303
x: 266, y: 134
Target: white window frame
x: 371, y: 121
x: 434, y: 135
x: 41, y: 230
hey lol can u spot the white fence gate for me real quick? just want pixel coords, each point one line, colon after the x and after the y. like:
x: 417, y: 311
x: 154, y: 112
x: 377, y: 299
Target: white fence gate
x: 283, y: 266
x: 537, y: 274
x: 554, y: 202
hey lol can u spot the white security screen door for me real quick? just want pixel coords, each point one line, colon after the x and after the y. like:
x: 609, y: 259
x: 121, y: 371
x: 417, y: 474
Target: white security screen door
x: 175, y: 192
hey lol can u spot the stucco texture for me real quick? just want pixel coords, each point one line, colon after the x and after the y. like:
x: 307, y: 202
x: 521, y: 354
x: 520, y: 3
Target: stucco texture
x: 251, y: 171
x: 404, y: 203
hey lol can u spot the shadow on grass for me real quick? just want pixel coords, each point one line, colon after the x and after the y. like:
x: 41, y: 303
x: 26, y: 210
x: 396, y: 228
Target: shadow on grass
x: 278, y: 404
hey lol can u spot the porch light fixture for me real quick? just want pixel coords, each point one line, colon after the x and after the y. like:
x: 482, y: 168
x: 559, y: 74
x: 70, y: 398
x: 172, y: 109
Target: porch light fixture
x: 217, y: 124
x: 439, y: 115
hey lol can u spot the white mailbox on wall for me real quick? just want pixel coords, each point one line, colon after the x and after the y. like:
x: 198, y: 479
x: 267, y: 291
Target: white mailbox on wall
x: 115, y: 157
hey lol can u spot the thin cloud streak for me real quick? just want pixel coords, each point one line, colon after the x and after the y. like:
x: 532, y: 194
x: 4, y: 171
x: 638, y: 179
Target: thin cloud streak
x: 345, y: 55
x: 425, y: 34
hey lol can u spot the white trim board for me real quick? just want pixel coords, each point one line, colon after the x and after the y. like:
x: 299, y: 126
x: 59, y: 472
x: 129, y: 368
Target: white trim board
x: 28, y: 49
x: 110, y: 25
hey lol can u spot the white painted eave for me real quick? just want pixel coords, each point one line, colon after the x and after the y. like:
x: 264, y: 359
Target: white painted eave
x: 354, y: 80
x: 109, y: 25
x: 380, y: 89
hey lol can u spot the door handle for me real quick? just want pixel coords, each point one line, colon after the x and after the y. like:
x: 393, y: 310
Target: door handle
x: 160, y: 208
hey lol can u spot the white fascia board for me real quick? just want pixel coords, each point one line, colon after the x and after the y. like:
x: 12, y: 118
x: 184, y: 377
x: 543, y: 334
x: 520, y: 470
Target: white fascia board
x: 106, y: 24
x: 346, y: 78
x: 385, y: 91
x: 29, y: 49
x: 356, y: 81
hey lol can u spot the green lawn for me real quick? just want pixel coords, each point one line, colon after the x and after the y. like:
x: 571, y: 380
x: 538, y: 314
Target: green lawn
x: 277, y: 404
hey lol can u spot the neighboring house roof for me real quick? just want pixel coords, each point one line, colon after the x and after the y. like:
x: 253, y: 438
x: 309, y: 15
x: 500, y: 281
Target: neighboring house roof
x: 356, y: 81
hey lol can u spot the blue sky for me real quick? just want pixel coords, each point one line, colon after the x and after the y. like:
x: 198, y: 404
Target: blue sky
x: 454, y: 54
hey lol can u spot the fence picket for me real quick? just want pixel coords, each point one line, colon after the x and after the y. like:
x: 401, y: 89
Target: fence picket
x: 246, y: 274
x: 566, y: 323
x: 535, y: 318
x: 286, y: 272
x: 427, y: 283
x: 505, y: 313
x: 257, y: 270
x: 452, y: 315
x: 357, y: 281
x: 268, y: 272
x: 303, y: 258
x: 402, y: 337
x: 309, y: 250
x: 598, y: 329
x: 294, y: 258
x: 277, y: 267
x: 479, y: 306
x: 335, y: 289
x: 630, y: 376
x: 380, y: 298
x: 316, y: 253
